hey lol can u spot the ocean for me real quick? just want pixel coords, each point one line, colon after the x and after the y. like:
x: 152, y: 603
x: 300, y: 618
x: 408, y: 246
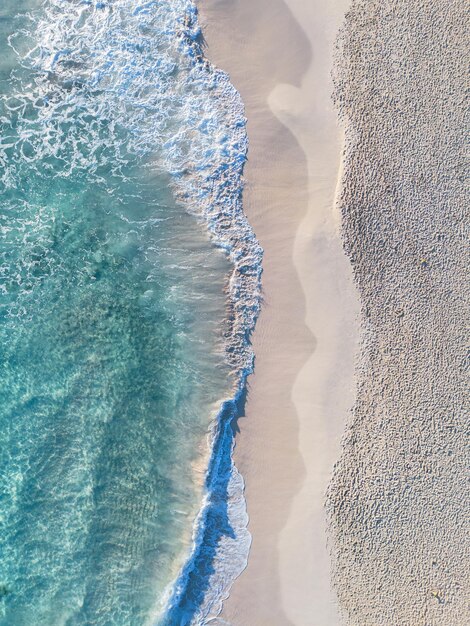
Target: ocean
x: 129, y: 288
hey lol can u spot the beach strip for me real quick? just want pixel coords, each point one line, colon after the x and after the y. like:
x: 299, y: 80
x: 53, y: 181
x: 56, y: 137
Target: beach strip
x: 279, y: 56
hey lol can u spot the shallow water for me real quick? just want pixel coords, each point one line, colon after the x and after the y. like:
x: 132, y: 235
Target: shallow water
x: 112, y: 307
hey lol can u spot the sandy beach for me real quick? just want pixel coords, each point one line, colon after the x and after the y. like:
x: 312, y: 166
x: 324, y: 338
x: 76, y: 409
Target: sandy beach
x: 399, y: 499
x: 145, y: 338
x: 303, y: 388
x: 391, y: 190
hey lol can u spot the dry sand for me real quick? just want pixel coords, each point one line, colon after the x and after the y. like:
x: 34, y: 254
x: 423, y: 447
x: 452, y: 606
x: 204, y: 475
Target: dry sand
x: 303, y: 387
x: 400, y: 501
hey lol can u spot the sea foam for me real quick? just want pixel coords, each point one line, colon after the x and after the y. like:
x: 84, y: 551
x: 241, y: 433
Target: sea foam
x: 133, y: 77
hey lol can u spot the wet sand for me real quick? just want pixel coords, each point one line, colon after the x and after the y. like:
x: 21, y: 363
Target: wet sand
x: 303, y: 388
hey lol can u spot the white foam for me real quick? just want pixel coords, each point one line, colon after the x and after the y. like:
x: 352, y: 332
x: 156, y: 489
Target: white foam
x: 133, y: 77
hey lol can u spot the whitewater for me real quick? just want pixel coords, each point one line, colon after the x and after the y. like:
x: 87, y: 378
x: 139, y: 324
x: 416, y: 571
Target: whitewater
x: 129, y: 288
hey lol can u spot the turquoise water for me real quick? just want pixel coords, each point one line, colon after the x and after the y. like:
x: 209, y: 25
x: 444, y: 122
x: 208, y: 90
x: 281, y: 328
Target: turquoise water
x: 116, y: 162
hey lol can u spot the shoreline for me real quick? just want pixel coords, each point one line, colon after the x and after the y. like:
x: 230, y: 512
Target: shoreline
x: 305, y: 339
x: 220, y: 540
